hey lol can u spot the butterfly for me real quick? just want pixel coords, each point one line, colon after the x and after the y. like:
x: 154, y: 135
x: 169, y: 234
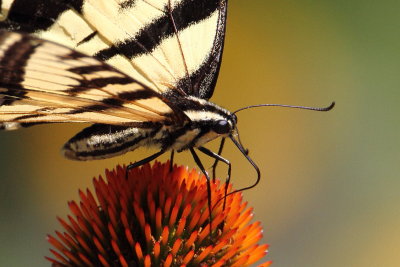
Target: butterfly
x: 141, y: 71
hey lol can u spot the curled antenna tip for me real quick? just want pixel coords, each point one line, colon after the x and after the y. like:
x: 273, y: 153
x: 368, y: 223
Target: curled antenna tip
x: 331, y: 106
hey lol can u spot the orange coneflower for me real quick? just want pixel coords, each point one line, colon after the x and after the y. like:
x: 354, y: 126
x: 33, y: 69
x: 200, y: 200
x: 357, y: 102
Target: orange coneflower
x: 157, y: 217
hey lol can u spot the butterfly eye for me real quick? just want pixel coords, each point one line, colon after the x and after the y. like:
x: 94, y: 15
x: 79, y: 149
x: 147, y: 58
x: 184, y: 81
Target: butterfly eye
x: 222, y: 127
x: 234, y: 118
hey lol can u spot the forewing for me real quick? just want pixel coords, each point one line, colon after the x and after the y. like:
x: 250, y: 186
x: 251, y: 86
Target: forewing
x: 164, y: 44
x: 43, y: 82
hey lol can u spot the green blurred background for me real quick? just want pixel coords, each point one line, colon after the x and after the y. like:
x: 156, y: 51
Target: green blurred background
x: 329, y: 194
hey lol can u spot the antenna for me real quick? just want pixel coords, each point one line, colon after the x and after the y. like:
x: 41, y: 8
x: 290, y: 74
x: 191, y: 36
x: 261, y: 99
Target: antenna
x: 288, y: 106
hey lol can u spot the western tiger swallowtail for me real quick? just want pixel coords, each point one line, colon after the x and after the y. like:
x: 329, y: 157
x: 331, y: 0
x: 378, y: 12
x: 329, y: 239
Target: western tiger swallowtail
x: 141, y: 71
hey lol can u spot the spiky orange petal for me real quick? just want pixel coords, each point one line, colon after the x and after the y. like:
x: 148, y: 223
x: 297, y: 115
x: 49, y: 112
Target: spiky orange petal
x: 157, y: 217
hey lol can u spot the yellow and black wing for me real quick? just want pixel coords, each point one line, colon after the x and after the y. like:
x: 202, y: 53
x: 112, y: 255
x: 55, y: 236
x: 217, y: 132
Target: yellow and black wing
x: 163, y: 44
x: 43, y: 82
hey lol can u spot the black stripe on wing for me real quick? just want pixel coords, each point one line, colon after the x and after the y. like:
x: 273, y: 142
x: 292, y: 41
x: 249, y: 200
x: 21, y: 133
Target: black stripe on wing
x: 117, y: 101
x: 35, y: 15
x: 127, y: 4
x: 15, y: 61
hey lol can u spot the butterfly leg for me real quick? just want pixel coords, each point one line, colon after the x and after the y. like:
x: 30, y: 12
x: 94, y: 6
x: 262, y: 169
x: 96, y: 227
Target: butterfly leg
x: 198, y: 162
x: 218, y: 158
x: 214, y: 166
x: 171, y: 160
x: 143, y: 161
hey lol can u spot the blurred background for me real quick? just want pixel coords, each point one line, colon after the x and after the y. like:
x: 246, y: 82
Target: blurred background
x: 330, y: 191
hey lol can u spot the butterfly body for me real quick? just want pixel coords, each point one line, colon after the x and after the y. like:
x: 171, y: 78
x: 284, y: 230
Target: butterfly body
x: 101, y: 141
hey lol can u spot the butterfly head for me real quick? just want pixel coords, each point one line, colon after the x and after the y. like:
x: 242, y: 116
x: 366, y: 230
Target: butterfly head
x: 208, y: 119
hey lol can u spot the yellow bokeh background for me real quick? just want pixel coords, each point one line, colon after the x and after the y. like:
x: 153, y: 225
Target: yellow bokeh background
x: 330, y: 188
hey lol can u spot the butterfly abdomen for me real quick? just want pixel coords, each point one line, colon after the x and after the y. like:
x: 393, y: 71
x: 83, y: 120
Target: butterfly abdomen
x: 101, y: 141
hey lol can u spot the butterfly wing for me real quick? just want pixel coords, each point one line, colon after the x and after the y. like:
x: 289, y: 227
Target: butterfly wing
x: 43, y: 82
x: 164, y: 44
